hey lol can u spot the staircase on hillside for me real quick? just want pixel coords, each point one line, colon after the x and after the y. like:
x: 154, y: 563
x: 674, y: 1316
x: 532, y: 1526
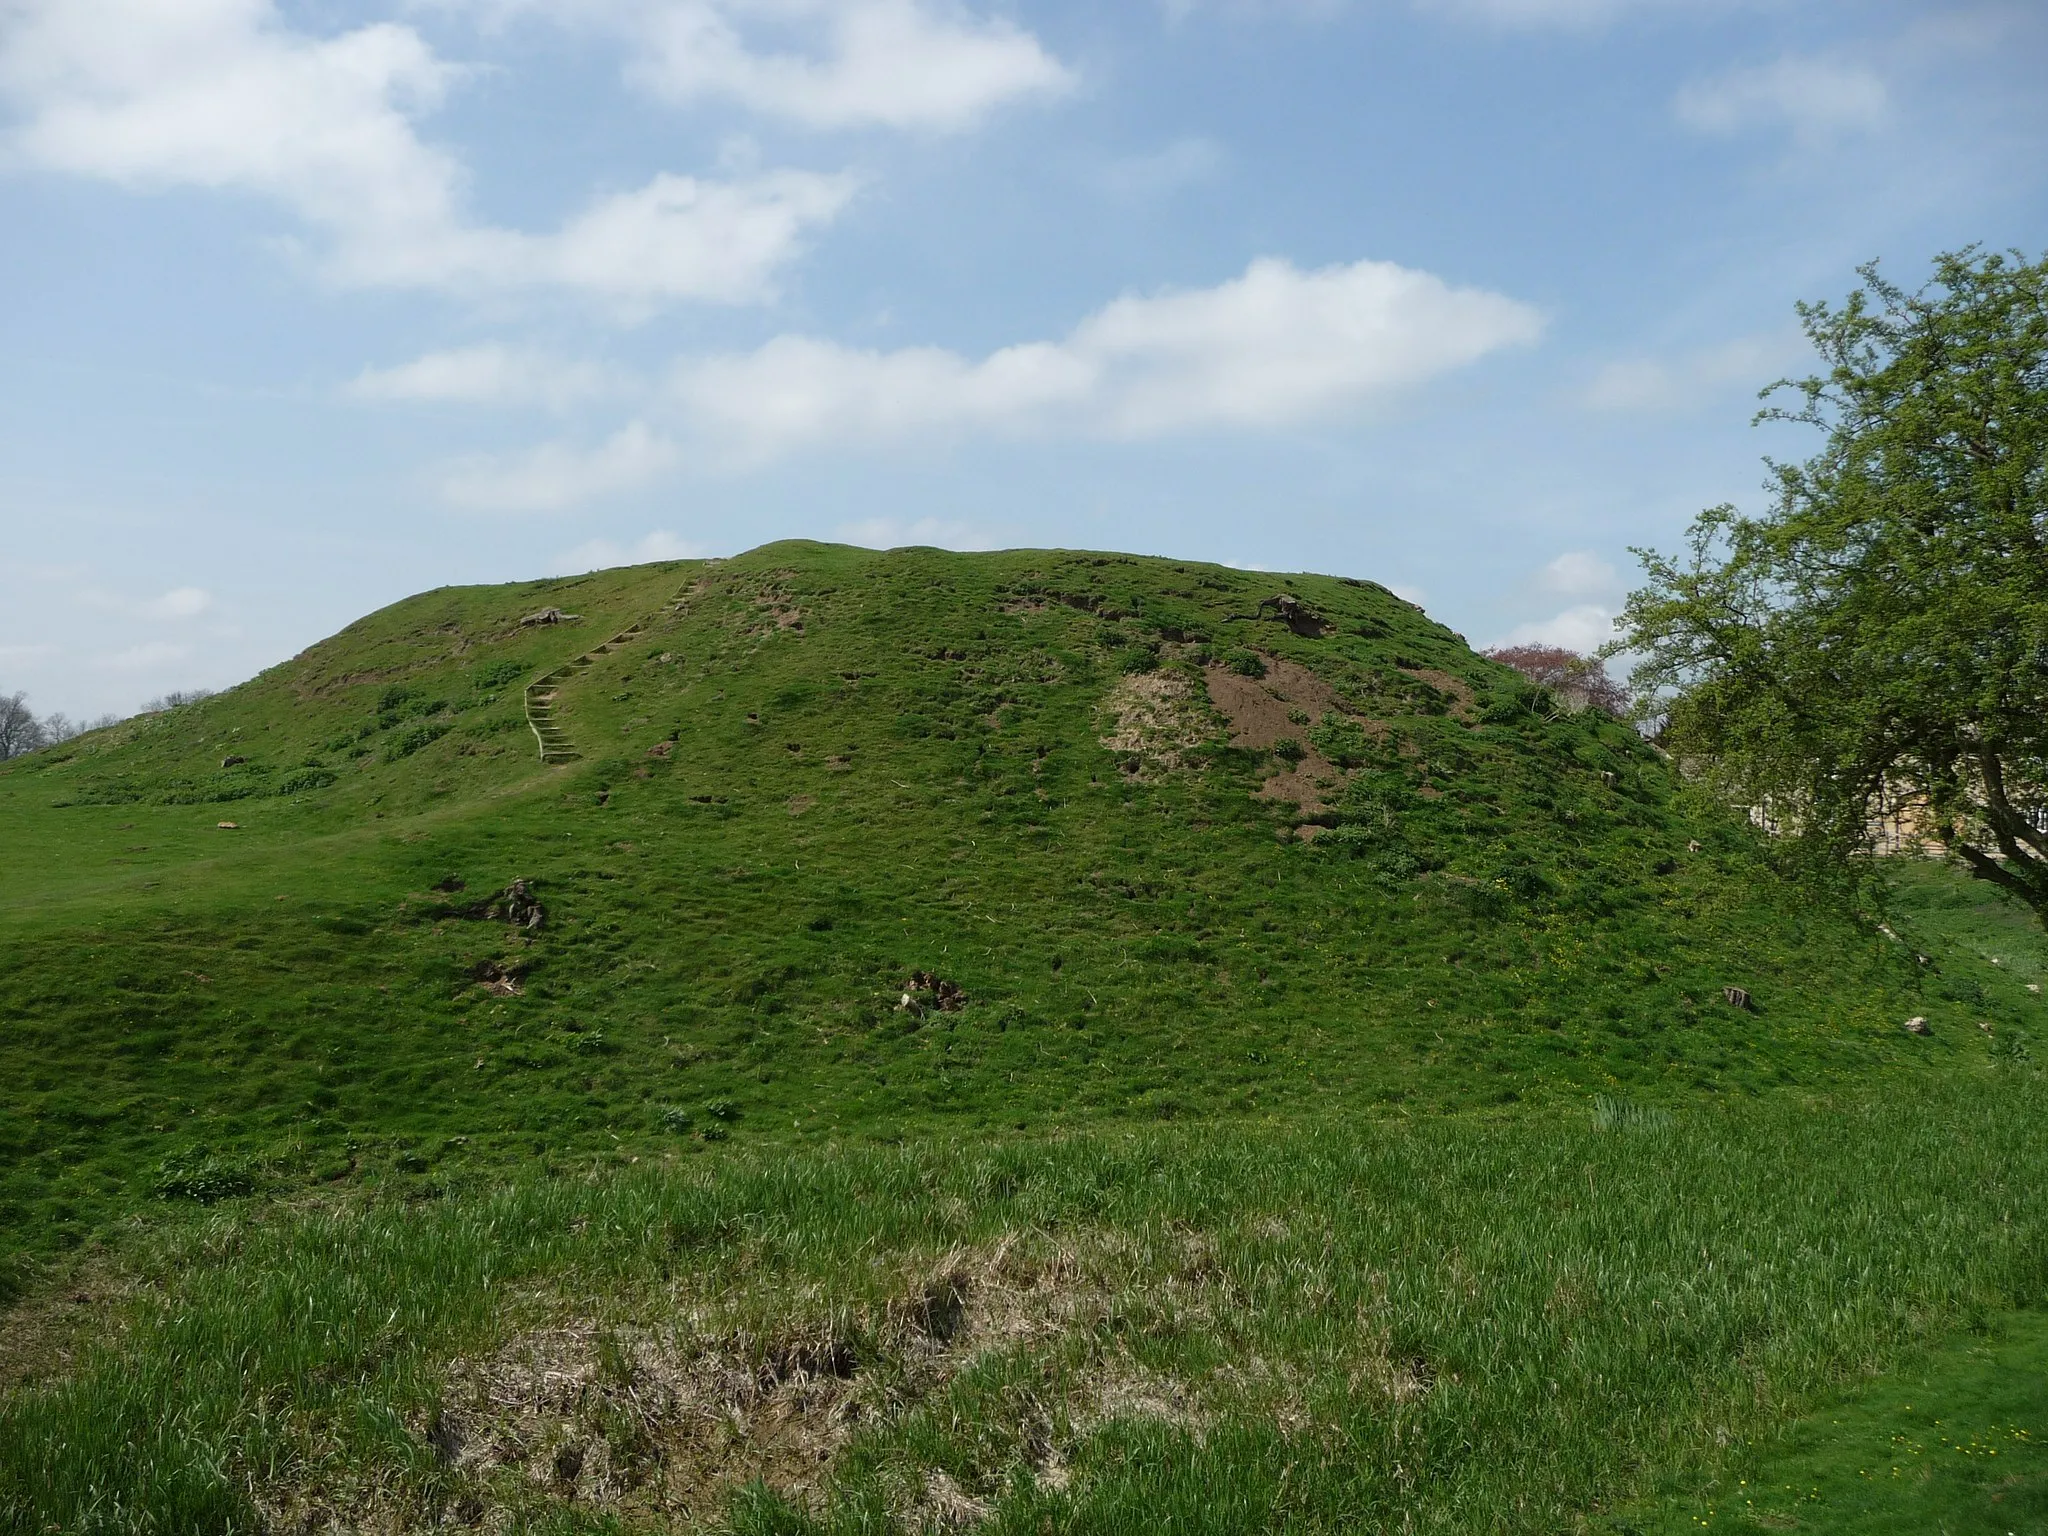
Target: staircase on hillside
x: 543, y: 692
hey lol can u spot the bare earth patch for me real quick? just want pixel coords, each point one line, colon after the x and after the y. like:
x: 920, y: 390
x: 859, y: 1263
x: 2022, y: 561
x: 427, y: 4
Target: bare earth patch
x: 664, y: 1421
x: 1155, y: 719
x: 1262, y: 711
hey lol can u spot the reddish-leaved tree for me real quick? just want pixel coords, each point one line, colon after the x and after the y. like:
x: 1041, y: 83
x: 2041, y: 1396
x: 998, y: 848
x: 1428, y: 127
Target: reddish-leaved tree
x: 1579, y: 682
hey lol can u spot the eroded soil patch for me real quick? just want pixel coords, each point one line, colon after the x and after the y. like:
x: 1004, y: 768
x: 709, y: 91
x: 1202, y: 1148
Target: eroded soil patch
x: 665, y: 1419
x: 1155, y: 719
x: 1279, y: 708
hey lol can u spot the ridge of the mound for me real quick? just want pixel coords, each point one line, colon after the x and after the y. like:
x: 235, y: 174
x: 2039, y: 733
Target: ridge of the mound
x: 861, y: 841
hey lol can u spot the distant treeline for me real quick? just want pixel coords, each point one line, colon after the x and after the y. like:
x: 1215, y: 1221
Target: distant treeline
x: 21, y: 730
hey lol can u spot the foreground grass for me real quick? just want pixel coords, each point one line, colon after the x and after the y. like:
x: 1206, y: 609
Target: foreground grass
x: 1445, y: 1324
x: 1958, y: 1444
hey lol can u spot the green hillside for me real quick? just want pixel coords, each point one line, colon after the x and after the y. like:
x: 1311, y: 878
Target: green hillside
x: 1310, y: 871
x: 1036, y: 1041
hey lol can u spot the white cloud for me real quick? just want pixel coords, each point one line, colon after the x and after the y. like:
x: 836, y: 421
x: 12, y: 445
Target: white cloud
x: 678, y: 237
x: 1571, y: 14
x: 557, y: 475
x: 1579, y: 573
x: 887, y: 63
x: 1814, y: 98
x: 604, y: 554
x: 1519, y: 15
x: 25, y: 652
x: 179, y: 603
x: 895, y: 533
x: 1653, y: 384
x: 223, y: 95
x: 1274, y: 347
x: 1584, y: 628
x: 485, y: 375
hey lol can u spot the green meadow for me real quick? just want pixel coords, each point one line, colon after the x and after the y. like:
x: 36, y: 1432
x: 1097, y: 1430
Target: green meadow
x: 1032, y: 1041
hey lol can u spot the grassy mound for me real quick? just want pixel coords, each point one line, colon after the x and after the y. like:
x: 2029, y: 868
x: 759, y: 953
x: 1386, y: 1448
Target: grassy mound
x: 846, y: 1041
x: 870, y: 844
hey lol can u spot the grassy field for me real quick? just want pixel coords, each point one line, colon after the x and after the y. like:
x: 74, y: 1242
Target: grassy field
x: 1958, y: 1444
x: 1030, y: 1039
x: 1453, y: 1323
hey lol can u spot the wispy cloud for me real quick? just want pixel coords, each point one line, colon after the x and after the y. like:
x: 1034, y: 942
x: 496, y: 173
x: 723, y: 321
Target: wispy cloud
x: 1814, y: 98
x: 1650, y: 384
x: 1578, y: 573
x: 604, y: 554
x: 179, y: 603
x: 1274, y: 347
x: 1583, y: 627
x: 1162, y: 171
x: 941, y: 533
x: 823, y: 64
x: 1591, y: 588
x: 557, y: 475
x: 225, y: 95
x: 887, y: 63
x: 492, y: 374
x: 1506, y: 15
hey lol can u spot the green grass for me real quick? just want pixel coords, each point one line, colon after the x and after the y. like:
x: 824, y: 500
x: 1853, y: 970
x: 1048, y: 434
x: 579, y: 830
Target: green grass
x: 1451, y: 1323
x: 1507, y: 906
x: 1418, y: 1176
x: 1957, y: 1444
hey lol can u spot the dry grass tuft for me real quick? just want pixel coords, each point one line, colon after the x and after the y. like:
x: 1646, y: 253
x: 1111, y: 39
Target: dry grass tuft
x: 1155, y: 719
x: 664, y: 1418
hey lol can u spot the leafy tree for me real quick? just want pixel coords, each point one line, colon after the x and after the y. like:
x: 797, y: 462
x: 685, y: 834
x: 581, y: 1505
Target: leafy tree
x: 20, y: 731
x: 1880, y: 636
x: 1581, y: 682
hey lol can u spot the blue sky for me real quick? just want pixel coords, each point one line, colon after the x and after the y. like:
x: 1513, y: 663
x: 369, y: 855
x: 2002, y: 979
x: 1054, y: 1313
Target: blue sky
x: 309, y: 306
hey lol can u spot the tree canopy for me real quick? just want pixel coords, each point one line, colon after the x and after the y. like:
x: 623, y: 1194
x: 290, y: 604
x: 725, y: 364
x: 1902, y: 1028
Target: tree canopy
x: 1875, y: 646
x: 1579, y: 682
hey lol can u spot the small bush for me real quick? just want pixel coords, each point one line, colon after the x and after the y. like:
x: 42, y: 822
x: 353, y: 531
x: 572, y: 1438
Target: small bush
x: 499, y: 673
x: 676, y: 1121
x: 1288, y: 750
x: 1343, y: 742
x: 306, y: 780
x: 409, y: 742
x: 1244, y: 663
x: 1524, y: 881
x: 722, y: 1109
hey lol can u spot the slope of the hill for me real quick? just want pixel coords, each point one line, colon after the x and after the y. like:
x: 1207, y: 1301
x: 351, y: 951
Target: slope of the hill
x: 861, y: 842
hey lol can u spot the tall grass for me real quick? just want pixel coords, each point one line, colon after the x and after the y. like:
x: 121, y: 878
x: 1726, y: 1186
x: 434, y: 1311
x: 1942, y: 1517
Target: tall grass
x: 1452, y: 1324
